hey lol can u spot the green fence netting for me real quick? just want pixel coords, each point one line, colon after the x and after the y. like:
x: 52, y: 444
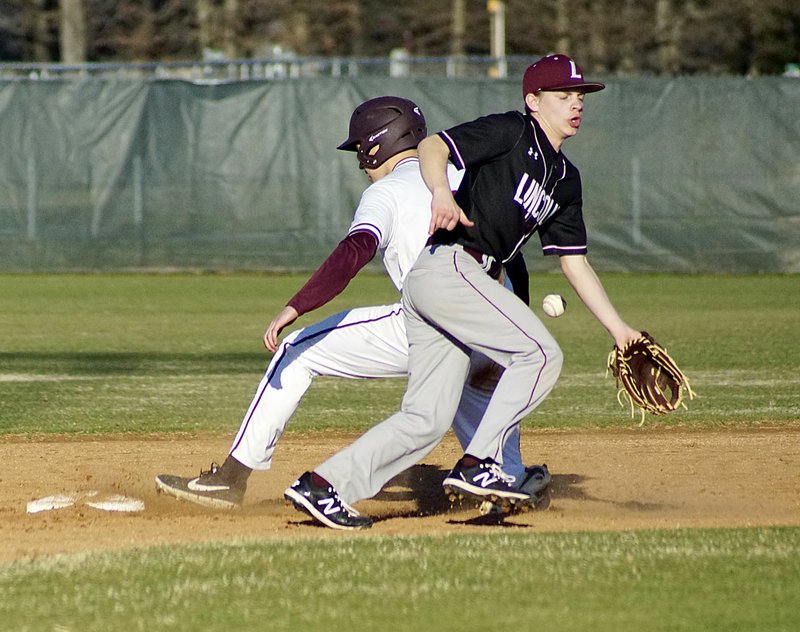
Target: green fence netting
x: 683, y: 174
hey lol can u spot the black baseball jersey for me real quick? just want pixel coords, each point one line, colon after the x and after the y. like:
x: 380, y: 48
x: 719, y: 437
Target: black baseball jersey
x: 515, y: 184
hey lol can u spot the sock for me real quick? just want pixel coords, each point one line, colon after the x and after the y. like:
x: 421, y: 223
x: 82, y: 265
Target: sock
x: 234, y: 472
x: 319, y: 481
x: 469, y: 461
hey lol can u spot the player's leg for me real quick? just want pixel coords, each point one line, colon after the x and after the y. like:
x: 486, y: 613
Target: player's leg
x: 481, y: 382
x: 437, y: 292
x: 532, y: 479
x: 437, y: 369
x: 502, y: 327
x: 433, y: 293
x: 366, y: 342
x: 360, y: 343
x: 480, y: 314
x: 452, y: 295
x: 475, y: 398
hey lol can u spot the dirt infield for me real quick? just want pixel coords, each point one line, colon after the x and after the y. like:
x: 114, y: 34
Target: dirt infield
x: 602, y: 480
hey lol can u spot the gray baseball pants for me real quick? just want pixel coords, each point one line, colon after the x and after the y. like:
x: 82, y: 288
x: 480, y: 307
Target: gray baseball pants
x: 451, y: 306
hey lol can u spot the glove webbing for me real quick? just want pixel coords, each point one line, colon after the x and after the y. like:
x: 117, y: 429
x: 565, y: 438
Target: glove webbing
x: 664, y: 375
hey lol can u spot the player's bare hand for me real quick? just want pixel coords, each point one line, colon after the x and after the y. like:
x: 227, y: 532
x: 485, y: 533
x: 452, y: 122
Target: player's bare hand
x: 284, y: 318
x: 445, y: 213
x: 626, y: 336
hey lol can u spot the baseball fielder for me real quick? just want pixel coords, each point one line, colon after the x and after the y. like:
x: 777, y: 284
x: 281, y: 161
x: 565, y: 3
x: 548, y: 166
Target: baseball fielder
x: 516, y: 182
x: 367, y: 342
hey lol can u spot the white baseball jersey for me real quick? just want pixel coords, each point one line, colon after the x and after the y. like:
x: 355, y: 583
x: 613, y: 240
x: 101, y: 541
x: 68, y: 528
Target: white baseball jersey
x: 397, y: 210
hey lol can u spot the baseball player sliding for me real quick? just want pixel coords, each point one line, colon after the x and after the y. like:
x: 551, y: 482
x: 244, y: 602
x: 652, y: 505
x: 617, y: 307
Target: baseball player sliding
x: 516, y: 182
x: 392, y: 218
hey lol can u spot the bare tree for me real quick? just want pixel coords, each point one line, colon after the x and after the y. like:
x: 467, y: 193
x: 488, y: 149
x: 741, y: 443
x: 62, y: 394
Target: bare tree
x: 607, y: 36
x: 219, y: 26
x: 598, y: 34
x: 668, y: 31
x: 629, y: 63
x: 563, y: 31
x: 37, y: 30
x: 72, y: 35
x: 206, y: 24
x: 459, y: 22
x: 774, y: 26
x: 230, y: 29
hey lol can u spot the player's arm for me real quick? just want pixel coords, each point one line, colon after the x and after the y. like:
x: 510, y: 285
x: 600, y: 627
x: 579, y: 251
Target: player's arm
x: 434, y: 155
x: 352, y: 254
x: 588, y: 287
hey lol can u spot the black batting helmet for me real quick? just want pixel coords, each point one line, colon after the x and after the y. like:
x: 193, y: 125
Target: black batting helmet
x: 393, y: 124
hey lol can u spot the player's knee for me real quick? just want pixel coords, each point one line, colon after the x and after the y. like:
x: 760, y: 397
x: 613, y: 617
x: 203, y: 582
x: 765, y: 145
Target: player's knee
x: 543, y: 354
x: 555, y: 357
x: 429, y: 427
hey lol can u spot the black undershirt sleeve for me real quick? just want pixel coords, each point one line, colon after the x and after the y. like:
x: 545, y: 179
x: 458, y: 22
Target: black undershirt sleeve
x: 330, y: 279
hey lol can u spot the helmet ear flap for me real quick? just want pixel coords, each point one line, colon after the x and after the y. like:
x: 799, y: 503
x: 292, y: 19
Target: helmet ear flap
x: 367, y: 158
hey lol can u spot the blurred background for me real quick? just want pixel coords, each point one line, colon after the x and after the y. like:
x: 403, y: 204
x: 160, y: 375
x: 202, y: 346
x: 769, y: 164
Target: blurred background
x: 626, y: 37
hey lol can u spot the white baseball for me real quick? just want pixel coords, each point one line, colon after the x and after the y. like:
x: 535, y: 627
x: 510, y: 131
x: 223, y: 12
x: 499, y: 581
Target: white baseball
x: 554, y: 305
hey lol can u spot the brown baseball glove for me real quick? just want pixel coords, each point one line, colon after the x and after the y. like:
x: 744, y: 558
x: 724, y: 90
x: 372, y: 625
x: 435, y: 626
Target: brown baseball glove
x: 648, y: 377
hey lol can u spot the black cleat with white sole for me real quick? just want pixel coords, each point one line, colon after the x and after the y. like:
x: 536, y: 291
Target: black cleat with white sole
x: 322, y: 503
x: 210, y: 489
x: 483, y: 480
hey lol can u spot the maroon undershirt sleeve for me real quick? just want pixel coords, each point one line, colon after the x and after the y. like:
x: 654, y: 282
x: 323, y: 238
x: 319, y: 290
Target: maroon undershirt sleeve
x: 352, y: 254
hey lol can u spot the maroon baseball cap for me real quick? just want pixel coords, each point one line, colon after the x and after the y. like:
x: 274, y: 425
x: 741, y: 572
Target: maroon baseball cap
x: 555, y: 73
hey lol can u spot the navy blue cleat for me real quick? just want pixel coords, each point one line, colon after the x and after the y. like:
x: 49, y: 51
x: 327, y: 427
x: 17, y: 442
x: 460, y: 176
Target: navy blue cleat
x: 322, y: 503
x: 484, y: 480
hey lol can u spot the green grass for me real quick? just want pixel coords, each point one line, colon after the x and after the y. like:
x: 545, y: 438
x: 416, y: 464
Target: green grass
x: 165, y: 353
x: 144, y: 353
x: 705, y: 580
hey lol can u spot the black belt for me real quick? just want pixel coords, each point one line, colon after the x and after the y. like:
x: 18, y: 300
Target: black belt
x: 490, y: 265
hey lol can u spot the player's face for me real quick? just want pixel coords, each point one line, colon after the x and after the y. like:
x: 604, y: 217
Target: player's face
x: 371, y: 174
x: 559, y: 113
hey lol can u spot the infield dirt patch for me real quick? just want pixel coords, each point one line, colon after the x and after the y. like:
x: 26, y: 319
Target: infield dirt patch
x: 644, y: 478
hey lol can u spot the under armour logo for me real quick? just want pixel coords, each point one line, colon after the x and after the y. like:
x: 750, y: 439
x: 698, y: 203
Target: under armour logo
x: 534, y: 154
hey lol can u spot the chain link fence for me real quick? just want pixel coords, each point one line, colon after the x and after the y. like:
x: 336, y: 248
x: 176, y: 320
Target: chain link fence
x: 398, y: 65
